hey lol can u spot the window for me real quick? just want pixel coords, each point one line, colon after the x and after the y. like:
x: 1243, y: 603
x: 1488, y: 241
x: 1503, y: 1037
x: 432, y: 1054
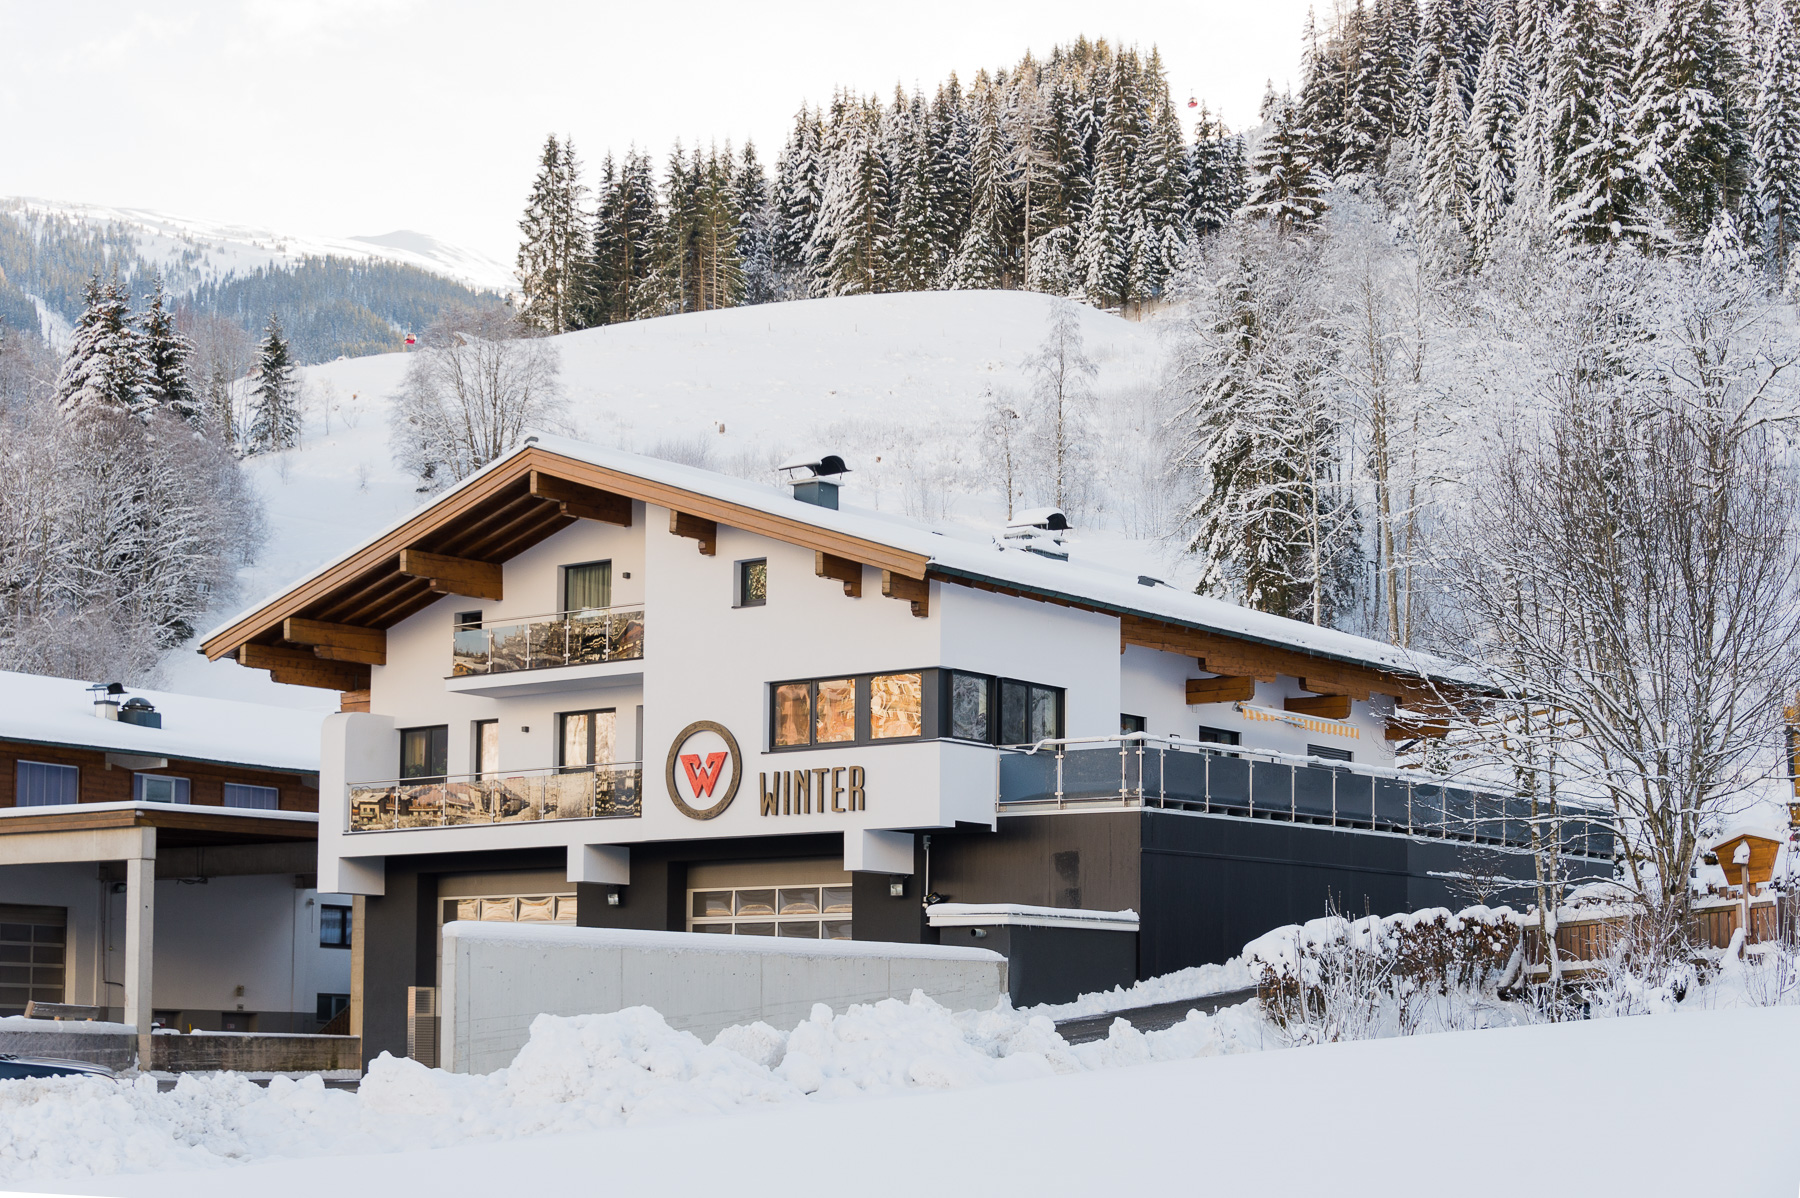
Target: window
x: 32, y: 943
x: 41, y: 784
x: 257, y: 798
x: 334, y: 928
x: 1220, y: 736
x: 467, y: 619
x: 969, y: 718
x: 487, y: 749
x: 331, y: 1006
x: 586, y: 737
x: 896, y: 706
x: 425, y: 752
x: 1329, y: 753
x: 808, y: 912
x: 1029, y: 713
x: 834, y: 711
x: 1131, y: 723
x: 793, y: 714
x: 159, y: 788
x: 588, y: 586
x: 753, y: 582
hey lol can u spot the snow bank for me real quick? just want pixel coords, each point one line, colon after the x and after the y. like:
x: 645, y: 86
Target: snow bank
x: 575, y: 1074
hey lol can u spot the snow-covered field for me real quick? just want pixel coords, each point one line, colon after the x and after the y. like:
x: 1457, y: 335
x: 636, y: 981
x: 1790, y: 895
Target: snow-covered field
x: 895, y: 382
x: 905, y: 1098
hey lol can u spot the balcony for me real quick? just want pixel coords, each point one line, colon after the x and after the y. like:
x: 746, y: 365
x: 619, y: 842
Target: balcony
x: 590, y: 646
x: 613, y: 791
x: 1145, y: 771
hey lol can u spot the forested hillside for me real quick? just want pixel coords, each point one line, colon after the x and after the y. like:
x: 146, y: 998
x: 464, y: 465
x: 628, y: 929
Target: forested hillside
x: 334, y: 306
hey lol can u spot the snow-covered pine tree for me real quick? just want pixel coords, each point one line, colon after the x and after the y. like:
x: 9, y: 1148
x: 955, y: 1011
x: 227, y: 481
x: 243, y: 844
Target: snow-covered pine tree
x: 1216, y: 175
x: 1158, y: 225
x: 1323, y: 74
x: 1493, y: 131
x: 1286, y: 189
x: 1594, y: 190
x: 1368, y: 96
x: 1775, y: 134
x: 275, y: 395
x: 552, y: 261
x: 850, y: 242
x: 951, y: 179
x: 105, y: 368
x: 981, y: 259
x: 756, y: 227
x: 1444, y: 166
x: 167, y: 354
x: 799, y: 190
x: 1687, y: 120
x: 1440, y: 46
x: 913, y: 251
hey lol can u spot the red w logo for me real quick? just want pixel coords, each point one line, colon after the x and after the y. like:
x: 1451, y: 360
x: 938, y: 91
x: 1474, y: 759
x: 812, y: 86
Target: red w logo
x: 703, y: 777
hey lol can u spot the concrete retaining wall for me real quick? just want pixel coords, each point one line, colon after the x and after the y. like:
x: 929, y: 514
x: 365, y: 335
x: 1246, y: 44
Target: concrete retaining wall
x: 255, y: 1053
x: 499, y: 977
x: 113, y: 1045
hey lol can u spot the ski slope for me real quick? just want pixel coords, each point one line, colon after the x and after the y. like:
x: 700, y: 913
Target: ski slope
x: 215, y: 249
x: 897, y: 383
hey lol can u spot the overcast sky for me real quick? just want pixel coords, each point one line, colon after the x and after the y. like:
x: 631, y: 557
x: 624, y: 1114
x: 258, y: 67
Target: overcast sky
x: 356, y: 117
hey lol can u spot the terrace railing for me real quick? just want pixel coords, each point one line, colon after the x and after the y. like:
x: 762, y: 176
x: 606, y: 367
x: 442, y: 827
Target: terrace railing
x: 568, y: 638
x: 1143, y: 770
x: 613, y: 791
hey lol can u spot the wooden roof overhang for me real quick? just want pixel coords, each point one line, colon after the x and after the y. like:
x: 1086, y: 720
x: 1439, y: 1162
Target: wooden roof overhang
x: 176, y: 826
x: 325, y: 632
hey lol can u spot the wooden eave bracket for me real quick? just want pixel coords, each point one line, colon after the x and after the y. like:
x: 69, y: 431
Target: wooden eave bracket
x: 1226, y: 688
x: 916, y: 591
x: 453, y: 575
x: 1325, y: 707
x: 337, y: 642
x: 850, y: 573
x: 706, y: 532
x: 300, y: 667
x: 582, y: 502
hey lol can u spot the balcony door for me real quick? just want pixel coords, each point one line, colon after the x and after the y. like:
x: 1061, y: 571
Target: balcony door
x: 587, y: 587
x: 587, y: 737
x: 425, y: 753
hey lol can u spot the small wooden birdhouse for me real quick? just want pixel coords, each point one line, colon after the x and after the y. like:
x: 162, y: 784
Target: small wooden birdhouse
x: 1751, y: 854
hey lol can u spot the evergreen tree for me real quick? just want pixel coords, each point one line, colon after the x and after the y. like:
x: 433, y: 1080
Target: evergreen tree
x: 1216, y: 175
x: 981, y: 258
x: 1286, y: 189
x: 167, y: 354
x: 1444, y: 168
x: 756, y: 227
x: 1686, y: 118
x: 275, y: 396
x: 552, y: 262
x: 799, y: 192
x: 627, y: 229
x: 1775, y: 132
x: 105, y: 368
x: 1322, y: 96
x: 850, y: 242
x: 1493, y: 132
x: 1594, y: 190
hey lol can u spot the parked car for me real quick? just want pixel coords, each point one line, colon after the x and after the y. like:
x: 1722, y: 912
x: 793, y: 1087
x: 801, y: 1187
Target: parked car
x: 17, y: 1067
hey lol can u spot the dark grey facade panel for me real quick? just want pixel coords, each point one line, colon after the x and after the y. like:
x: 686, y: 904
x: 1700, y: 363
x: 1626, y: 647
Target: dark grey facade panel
x: 1054, y: 964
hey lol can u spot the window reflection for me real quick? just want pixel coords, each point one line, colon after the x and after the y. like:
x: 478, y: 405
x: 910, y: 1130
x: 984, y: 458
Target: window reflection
x: 834, y: 717
x: 969, y: 718
x: 896, y: 706
x: 793, y: 714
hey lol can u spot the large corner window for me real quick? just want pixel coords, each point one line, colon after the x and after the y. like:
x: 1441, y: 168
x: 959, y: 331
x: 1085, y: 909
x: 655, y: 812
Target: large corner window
x: 1001, y: 711
x: 44, y: 784
x: 857, y: 709
x: 425, y: 752
x: 587, y: 587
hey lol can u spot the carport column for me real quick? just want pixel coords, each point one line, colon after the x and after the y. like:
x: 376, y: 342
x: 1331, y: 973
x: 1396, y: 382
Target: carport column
x: 140, y: 940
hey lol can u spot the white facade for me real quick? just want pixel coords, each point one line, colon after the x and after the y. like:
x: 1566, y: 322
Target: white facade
x: 707, y: 659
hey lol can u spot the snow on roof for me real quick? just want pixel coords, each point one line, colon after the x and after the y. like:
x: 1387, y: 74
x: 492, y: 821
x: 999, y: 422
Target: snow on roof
x: 60, y: 711
x: 1760, y: 831
x: 959, y: 551
x: 964, y: 915
x: 694, y: 942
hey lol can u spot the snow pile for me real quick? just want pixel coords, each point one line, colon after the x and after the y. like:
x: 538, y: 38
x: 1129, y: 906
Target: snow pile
x: 578, y: 1073
x: 1199, y: 981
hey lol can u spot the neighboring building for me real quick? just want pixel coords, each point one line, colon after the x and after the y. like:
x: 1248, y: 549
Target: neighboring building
x: 591, y: 687
x: 159, y: 861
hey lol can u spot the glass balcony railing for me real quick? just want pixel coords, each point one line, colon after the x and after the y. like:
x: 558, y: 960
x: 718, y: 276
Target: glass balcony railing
x: 1141, y: 770
x: 569, y: 638
x: 514, y: 797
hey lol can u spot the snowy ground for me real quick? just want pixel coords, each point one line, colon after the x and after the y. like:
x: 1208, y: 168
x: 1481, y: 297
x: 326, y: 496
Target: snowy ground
x: 1589, y: 1106
x: 895, y: 382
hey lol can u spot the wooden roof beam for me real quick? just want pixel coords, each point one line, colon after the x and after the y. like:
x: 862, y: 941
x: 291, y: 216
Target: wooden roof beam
x: 698, y: 528
x: 850, y: 573
x: 1223, y: 689
x: 916, y: 591
x: 337, y: 642
x: 1325, y: 707
x: 583, y: 502
x: 300, y: 667
x: 453, y: 575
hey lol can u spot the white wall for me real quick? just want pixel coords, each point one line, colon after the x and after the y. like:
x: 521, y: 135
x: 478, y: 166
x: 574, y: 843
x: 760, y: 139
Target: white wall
x: 499, y: 977
x: 78, y: 888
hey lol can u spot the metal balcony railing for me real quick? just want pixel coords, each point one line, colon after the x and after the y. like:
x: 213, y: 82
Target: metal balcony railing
x: 1143, y: 770
x: 568, y: 638
x: 613, y: 791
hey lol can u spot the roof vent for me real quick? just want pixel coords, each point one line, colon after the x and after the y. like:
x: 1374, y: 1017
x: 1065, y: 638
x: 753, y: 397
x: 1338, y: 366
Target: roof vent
x: 141, y: 713
x: 106, y: 699
x: 815, y: 477
x: 1043, y: 519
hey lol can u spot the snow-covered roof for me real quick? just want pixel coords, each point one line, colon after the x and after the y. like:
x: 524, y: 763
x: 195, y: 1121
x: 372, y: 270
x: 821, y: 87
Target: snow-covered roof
x: 41, y: 710
x: 969, y: 915
x: 971, y: 554
x: 1760, y: 831
x: 39, y: 810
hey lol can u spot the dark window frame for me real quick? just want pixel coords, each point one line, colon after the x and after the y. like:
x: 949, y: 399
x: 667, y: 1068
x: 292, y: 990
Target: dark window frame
x: 929, y: 705
x: 593, y: 738
x: 329, y: 1006
x: 442, y: 742
x: 741, y: 583
x: 562, y: 579
x: 345, y: 924
x: 997, y: 685
x: 1327, y: 753
x: 1129, y: 724
x: 1219, y: 736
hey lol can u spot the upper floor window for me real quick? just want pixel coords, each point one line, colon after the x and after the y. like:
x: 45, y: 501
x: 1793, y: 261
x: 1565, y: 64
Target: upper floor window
x: 1329, y: 753
x: 487, y: 748
x: 425, y: 752
x: 753, y: 582
x: 334, y: 927
x: 1222, y: 736
x: 43, y: 784
x: 587, y: 737
x: 912, y: 705
x: 1002, y: 710
x: 587, y: 586
x: 255, y: 798
x: 1131, y: 723
x: 159, y: 788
